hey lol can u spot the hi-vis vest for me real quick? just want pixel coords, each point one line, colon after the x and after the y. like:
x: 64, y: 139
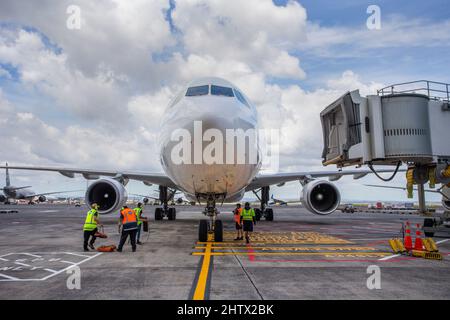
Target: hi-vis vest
x: 247, y: 214
x: 237, y: 215
x: 138, y: 211
x: 90, y: 224
x: 129, y: 219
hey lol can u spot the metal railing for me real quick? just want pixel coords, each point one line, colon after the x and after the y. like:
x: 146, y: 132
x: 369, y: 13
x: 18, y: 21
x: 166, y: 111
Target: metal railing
x: 434, y: 90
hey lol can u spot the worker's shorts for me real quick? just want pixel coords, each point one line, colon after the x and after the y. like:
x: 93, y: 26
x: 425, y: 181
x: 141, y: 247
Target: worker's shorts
x: 238, y: 226
x: 248, y: 225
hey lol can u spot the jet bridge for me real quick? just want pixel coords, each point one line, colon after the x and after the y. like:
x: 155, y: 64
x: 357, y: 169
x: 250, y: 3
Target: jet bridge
x: 397, y: 124
x: 403, y: 123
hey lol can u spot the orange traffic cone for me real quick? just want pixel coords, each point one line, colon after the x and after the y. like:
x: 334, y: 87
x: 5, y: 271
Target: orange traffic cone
x: 418, y: 245
x: 408, y: 239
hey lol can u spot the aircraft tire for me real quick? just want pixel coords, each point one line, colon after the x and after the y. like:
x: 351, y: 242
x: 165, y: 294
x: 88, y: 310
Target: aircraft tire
x: 158, y: 214
x: 172, y: 214
x: 257, y: 214
x: 203, y: 231
x: 218, y: 231
x: 269, y: 214
x: 428, y: 223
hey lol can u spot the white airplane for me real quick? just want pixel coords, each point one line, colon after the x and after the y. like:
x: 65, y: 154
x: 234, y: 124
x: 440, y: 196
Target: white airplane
x: 24, y: 193
x: 218, y: 105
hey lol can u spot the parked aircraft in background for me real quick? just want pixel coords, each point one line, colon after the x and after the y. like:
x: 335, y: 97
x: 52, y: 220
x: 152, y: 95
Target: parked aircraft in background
x: 24, y: 193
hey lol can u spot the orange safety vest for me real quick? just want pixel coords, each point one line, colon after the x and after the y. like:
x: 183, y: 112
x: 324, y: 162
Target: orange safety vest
x: 128, y: 215
x: 237, y: 217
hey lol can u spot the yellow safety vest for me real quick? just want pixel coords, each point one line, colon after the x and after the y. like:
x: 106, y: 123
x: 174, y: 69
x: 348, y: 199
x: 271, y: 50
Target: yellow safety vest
x: 90, y: 224
x: 247, y: 215
x: 138, y: 211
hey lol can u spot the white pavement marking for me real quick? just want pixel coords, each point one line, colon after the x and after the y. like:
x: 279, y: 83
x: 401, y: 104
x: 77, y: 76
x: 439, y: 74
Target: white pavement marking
x: 22, y: 264
x: 54, y: 272
x: 29, y: 254
x: 4, y: 259
x: 69, y: 262
x: 77, y: 254
x: 8, y: 277
x: 442, y: 241
x: 76, y: 264
x: 389, y: 257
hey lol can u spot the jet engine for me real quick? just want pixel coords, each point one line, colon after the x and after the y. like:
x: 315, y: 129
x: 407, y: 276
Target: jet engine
x: 145, y: 200
x: 446, y: 204
x: 42, y: 198
x: 320, y: 197
x: 2, y: 198
x: 109, y: 194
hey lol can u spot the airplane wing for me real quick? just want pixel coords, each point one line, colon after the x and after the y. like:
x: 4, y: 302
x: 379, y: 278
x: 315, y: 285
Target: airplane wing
x: 148, y: 178
x: 399, y: 188
x: 264, y: 180
x: 49, y: 193
x: 142, y: 196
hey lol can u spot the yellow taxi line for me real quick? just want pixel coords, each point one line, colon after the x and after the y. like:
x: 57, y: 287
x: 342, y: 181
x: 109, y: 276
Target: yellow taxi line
x: 199, y: 293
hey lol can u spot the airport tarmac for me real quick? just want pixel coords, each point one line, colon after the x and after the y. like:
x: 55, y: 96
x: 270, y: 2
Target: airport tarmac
x: 298, y: 256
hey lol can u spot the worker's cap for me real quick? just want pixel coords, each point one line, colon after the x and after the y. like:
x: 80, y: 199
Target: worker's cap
x: 238, y: 204
x: 94, y: 206
x: 140, y: 204
x: 247, y: 204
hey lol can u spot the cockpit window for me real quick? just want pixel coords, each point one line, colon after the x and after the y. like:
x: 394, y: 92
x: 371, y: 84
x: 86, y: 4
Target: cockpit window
x: 221, y: 91
x: 197, y: 91
x: 241, y: 98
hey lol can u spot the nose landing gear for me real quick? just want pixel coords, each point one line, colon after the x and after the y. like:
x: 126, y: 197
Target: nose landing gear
x: 213, y: 226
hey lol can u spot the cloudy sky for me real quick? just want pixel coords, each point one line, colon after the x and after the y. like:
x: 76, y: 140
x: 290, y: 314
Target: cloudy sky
x: 93, y: 97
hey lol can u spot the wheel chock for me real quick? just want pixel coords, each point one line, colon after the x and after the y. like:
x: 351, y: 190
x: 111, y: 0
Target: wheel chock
x: 433, y: 255
x: 430, y: 245
x: 397, y: 245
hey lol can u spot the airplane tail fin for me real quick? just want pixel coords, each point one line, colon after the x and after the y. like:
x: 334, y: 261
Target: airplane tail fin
x: 8, y: 180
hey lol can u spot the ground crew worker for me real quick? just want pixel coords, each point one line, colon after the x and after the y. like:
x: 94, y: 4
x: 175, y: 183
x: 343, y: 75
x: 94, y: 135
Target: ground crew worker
x: 128, y: 222
x: 248, y: 218
x: 90, y: 227
x: 237, y: 219
x: 140, y: 219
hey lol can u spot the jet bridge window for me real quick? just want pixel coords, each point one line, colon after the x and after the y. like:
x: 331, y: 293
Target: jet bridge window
x: 221, y: 91
x: 197, y: 91
x: 241, y: 98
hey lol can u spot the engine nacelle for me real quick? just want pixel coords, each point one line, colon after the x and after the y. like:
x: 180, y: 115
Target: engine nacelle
x: 320, y: 197
x: 2, y: 198
x: 109, y: 194
x: 42, y: 198
x: 446, y: 204
x: 145, y: 200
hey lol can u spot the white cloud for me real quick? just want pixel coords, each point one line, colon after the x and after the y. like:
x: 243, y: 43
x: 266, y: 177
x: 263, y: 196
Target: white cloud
x: 107, y: 91
x: 396, y: 32
x: 254, y: 32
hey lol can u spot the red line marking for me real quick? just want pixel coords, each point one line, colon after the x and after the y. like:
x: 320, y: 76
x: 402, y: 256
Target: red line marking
x: 251, y: 252
x: 339, y: 260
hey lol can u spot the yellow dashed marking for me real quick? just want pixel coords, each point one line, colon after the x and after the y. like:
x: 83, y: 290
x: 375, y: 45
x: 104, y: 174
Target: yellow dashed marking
x: 291, y: 248
x: 326, y: 254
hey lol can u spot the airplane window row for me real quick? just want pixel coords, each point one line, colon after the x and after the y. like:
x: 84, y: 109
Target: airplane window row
x: 216, y: 91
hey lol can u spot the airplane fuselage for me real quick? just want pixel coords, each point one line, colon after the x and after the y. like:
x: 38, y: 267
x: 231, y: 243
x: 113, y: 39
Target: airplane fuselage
x: 199, y: 117
x: 12, y: 193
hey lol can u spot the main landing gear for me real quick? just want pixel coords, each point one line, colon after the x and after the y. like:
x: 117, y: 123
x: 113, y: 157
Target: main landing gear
x: 165, y: 211
x: 263, y: 211
x: 213, y: 226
